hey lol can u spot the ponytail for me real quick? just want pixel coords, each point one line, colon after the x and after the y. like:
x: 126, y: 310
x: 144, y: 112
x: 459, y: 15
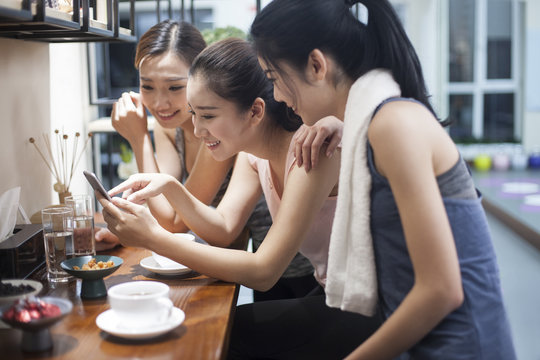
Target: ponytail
x: 288, y: 30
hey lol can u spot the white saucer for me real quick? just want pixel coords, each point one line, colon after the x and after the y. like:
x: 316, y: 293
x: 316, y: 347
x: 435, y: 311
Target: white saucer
x: 149, y: 263
x: 109, y: 322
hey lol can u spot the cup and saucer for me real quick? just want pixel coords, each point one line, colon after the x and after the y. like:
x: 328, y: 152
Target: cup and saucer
x: 140, y: 310
x: 162, y: 265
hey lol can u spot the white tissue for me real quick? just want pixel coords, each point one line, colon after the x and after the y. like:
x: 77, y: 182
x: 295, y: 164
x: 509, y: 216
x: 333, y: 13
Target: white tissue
x: 9, y: 205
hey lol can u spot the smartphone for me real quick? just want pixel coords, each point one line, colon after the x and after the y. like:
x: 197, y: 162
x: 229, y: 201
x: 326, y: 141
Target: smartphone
x: 96, y: 184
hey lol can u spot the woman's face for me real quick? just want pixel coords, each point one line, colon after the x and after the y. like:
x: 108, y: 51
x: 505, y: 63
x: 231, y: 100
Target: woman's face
x: 163, y: 81
x: 218, y: 122
x: 307, y: 100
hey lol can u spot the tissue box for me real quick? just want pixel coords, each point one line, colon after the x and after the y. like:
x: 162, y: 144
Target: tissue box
x: 23, y: 252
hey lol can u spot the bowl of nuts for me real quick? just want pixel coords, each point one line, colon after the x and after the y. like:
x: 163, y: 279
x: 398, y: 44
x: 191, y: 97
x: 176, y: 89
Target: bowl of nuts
x: 91, y: 270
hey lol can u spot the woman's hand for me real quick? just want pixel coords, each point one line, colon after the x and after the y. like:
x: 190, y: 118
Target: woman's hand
x: 309, y: 139
x: 140, y: 187
x: 129, y: 118
x: 133, y: 224
x: 105, y: 239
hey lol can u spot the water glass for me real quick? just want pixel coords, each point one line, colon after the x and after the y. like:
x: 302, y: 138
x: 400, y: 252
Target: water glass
x: 58, y: 237
x: 84, y: 242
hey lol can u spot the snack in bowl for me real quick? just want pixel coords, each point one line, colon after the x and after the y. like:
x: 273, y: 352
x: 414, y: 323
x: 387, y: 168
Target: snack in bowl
x: 91, y: 270
x: 95, y: 265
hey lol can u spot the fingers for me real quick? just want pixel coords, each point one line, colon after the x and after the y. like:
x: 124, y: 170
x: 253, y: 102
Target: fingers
x: 318, y: 141
x: 139, y: 197
x: 128, y: 102
x: 122, y: 187
x: 335, y: 141
x: 307, y: 150
x: 126, y: 193
x: 106, y: 236
x: 126, y: 205
x: 298, y: 140
x: 136, y: 99
x: 108, y: 207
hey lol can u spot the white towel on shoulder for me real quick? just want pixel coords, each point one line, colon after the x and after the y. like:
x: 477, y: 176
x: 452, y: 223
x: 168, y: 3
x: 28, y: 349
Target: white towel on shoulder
x: 351, y: 282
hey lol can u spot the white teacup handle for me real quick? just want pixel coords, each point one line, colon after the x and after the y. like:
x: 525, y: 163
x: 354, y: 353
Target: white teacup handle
x: 167, y: 304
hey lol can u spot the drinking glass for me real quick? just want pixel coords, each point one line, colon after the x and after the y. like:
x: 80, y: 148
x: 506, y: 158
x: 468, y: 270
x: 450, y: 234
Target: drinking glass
x: 58, y: 237
x: 84, y: 242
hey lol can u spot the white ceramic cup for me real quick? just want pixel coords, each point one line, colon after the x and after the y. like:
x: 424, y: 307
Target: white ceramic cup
x: 140, y: 303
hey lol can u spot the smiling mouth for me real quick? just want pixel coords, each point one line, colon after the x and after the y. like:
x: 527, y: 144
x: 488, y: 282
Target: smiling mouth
x: 168, y: 116
x: 212, y: 145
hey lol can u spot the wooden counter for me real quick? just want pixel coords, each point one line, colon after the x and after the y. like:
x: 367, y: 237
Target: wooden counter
x: 209, y: 306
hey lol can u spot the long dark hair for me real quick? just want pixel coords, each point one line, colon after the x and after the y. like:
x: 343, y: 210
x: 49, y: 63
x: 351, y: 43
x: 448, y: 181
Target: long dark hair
x: 288, y: 30
x: 232, y: 71
x: 181, y: 38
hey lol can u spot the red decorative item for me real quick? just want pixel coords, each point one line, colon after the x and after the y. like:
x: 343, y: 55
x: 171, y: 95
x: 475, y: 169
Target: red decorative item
x: 29, y: 309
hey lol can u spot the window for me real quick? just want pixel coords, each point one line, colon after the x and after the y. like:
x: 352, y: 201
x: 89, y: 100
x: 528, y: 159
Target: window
x: 483, y: 89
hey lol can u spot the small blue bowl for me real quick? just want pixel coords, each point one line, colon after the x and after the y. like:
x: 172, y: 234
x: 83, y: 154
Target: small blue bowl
x: 92, y: 285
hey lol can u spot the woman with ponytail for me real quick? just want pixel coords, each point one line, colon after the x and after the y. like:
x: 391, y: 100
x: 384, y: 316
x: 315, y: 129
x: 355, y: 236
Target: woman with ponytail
x: 410, y: 240
x: 234, y: 113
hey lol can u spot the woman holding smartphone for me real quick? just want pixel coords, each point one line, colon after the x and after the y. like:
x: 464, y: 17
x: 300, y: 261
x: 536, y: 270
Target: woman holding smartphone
x: 234, y: 113
x: 163, y: 57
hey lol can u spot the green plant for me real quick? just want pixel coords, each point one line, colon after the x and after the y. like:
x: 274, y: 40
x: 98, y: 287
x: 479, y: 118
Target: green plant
x: 213, y: 35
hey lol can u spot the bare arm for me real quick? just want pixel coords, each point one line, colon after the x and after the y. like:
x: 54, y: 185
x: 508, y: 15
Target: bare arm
x: 410, y: 150
x: 303, y: 197
x: 219, y: 226
x: 203, y: 182
x: 310, y: 139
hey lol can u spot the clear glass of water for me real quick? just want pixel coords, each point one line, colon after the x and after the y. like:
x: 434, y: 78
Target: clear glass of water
x: 84, y: 242
x: 58, y: 237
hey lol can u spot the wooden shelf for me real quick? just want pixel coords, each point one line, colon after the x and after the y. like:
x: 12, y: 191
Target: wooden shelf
x: 45, y: 24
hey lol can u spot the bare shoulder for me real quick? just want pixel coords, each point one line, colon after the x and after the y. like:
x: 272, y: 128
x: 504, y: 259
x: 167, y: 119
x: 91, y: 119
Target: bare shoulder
x: 402, y: 131
x: 326, y: 172
x: 397, y: 117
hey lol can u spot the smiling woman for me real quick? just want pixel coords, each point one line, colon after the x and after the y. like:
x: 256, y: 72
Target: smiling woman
x: 234, y: 111
x: 164, y: 56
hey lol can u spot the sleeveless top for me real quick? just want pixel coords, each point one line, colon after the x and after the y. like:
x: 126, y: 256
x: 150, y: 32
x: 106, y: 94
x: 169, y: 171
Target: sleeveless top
x: 315, y: 246
x: 260, y: 219
x: 479, y: 328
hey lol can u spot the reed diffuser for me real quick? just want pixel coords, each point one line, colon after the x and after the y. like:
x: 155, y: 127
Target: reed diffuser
x: 60, y: 161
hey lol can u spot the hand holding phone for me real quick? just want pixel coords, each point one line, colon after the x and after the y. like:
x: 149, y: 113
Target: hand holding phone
x: 96, y: 184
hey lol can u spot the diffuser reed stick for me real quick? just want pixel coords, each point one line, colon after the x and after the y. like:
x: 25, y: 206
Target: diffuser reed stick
x: 57, y: 158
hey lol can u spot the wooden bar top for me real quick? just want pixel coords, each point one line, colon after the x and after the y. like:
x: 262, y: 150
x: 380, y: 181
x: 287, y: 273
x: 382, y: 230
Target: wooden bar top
x: 208, y: 303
